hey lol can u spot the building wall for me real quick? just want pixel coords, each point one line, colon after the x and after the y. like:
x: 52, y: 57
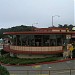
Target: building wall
x: 37, y: 49
x: 31, y: 56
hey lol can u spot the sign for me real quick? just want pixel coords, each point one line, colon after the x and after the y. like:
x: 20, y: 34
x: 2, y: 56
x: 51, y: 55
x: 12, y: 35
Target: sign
x: 68, y: 36
x: 71, y: 48
x: 73, y: 28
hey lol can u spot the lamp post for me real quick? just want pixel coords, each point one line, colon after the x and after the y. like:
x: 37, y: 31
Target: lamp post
x: 49, y: 70
x: 33, y: 25
x: 53, y: 17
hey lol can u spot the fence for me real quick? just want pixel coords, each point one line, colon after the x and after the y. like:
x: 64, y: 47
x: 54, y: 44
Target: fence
x: 43, y: 72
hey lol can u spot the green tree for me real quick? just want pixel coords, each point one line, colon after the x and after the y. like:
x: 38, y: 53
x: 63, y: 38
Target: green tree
x: 65, y: 26
x: 60, y: 26
x: 3, y: 71
x: 70, y: 27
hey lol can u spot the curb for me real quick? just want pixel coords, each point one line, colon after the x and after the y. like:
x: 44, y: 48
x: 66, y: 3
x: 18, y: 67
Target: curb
x: 58, y: 61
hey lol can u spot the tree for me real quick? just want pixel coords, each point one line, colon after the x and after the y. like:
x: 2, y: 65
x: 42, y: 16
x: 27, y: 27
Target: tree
x: 60, y: 26
x: 70, y: 27
x: 15, y: 29
x: 65, y: 26
x: 3, y: 52
x: 3, y: 71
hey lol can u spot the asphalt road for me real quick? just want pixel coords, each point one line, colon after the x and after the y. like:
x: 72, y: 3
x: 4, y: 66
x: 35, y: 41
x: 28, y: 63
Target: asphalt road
x: 61, y: 68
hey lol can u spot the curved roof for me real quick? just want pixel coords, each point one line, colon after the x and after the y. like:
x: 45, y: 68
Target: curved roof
x: 44, y: 31
x: 13, y: 33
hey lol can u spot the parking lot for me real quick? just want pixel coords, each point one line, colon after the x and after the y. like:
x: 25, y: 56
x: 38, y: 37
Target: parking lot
x: 45, y: 72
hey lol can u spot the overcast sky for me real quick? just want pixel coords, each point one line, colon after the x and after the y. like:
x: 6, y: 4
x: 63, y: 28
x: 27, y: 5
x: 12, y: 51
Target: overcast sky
x: 28, y: 12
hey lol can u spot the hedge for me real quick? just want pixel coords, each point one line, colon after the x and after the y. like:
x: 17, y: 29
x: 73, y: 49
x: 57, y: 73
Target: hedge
x: 11, y: 60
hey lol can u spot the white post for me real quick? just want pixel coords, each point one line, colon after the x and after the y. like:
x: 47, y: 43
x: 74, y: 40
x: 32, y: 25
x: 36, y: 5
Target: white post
x: 53, y: 17
x: 71, y: 54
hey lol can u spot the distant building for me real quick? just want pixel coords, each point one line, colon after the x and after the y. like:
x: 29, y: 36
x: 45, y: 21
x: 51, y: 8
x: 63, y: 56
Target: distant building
x: 39, y: 43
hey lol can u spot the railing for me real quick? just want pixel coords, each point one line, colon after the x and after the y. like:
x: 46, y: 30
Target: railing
x: 33, y: 49
x: 43, y: 72
x: 24, y: 48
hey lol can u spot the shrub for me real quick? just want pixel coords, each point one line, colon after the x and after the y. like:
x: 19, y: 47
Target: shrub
x: 3, y: 52
x: 3, y: 71
x: 14, y: 61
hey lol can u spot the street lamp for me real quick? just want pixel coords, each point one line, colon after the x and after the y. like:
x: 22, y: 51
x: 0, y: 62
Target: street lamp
x: 53, y: 17
x: 33, y: 25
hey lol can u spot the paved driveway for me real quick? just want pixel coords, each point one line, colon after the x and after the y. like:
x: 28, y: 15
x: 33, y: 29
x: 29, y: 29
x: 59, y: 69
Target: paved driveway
x: 61, y: 68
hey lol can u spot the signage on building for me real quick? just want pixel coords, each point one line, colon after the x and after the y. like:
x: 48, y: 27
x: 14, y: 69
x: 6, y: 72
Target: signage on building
x: 73, y: 35
x: 71, y: 48
x: 68, y: 36
x: 73, y: 28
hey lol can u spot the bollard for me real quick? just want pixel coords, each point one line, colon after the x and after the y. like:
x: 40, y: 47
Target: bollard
x: 27, y: 72
x: 70, y: 71
x: 49, y: 72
